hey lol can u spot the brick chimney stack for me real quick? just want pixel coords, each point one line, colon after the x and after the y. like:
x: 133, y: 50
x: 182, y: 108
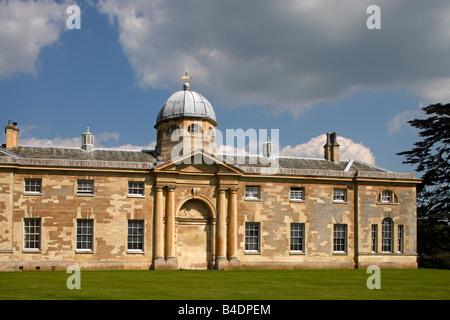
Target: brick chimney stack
x: 331, y: 148
x: 12, y: 135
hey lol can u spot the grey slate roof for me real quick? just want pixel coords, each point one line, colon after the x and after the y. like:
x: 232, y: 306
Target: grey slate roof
x: 300, y: 163
x: 146, y: 159
x: 80, y: 154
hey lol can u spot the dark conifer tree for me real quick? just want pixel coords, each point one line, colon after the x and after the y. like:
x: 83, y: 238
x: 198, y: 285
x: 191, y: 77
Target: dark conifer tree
x: 432, y: 157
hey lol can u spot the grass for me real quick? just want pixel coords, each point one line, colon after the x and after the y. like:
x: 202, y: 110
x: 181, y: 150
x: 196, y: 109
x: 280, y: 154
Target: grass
x: 226, y: 285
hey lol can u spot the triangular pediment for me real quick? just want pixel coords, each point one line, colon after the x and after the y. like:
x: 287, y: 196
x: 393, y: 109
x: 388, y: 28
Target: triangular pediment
x: 198, y: 161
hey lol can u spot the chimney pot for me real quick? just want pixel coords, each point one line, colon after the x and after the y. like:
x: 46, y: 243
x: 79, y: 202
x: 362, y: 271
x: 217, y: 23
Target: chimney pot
x: 12, y: 134
x: 331, y: 148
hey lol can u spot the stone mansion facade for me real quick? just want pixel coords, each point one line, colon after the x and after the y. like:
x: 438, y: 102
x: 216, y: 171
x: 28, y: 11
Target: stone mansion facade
x: 183, y: 206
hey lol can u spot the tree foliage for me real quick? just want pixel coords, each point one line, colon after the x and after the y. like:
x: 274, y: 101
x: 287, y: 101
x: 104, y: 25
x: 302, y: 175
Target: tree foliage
x: 431, y: 155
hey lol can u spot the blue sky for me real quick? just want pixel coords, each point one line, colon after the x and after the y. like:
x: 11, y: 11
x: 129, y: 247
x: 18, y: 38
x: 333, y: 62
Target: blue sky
x: 303, y: 67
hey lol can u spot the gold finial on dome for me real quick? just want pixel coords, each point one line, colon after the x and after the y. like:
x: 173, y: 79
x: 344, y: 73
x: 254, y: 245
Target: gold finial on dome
x: 186, y: 78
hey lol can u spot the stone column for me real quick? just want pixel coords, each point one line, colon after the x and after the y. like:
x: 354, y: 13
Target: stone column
x: 232, y: 224
x: 158, y: 244
x: 170, y: 228
x: 221, y: 230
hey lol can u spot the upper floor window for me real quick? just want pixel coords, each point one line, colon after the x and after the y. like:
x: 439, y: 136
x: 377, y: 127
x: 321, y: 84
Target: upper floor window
x: 135, y: 188
x: 387, y: 196
x: 252, y: 193
x: 33, y: 186
x: 340, y: 195
x: 297, y: 194
x: 85, y: 187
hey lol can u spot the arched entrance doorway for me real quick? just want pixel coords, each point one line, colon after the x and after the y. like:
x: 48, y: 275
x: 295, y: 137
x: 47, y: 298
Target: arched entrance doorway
x: 193, y: 236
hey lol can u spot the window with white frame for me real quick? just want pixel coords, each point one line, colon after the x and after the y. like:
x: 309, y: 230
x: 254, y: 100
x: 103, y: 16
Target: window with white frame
x: 135, y: 235
x: 252, y: 236
x: 400, y: 238
x: 386, y: 235
x: 32, y: 234
x: 85, y: 233
x: 33, y: 186
x: 85, y: 187
x: 340, y: 238
x: 252, y: 193
x: 297, y: 237
x: 339, y: 195
x: 135, y: 188
x: 297, y: 194
x: 386, y: 196
x: 374, y: 238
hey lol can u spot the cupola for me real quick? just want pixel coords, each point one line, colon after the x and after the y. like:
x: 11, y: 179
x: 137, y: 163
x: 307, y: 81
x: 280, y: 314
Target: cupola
x: 187, y: 121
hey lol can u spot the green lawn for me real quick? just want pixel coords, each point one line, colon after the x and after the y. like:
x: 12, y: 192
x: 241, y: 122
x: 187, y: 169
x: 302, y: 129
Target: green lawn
x: 226, y: 285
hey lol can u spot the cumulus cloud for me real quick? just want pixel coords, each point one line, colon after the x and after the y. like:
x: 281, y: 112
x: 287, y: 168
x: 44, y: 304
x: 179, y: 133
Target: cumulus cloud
x: 401, y: 119
x: 109, y: 138
x: 55, y: 142
x: 286, y: 55
x: 25, y: 28
x: 314, y: 149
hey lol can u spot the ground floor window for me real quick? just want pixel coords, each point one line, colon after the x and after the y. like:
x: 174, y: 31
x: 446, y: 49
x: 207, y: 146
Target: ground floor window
x: 85, y: 232
x: 386, y: 235
x: 400, y: 238
x: 32, y: 234
x: 135, y: 235
x: 252, y: 236
x: 374, y: 238
x: 297, y: 237
x: 340, y: 238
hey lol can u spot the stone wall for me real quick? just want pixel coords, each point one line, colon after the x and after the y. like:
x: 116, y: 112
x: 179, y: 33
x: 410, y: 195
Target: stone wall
x: 110, y: 207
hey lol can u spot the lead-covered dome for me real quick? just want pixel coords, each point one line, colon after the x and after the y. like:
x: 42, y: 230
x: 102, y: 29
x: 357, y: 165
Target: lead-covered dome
x: 186, y: 103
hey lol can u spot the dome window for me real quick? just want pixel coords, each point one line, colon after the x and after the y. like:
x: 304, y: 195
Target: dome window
x: 194, y: 128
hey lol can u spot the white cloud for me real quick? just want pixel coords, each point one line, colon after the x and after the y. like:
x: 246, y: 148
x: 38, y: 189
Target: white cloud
x: 231, y: 150
x: 401, y: 119
x: 109, y: 138
x: 434, y: 90
x: 55, y: 142
x: 314, y: 149
x: 25, y: 28
x: 285, y: 54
